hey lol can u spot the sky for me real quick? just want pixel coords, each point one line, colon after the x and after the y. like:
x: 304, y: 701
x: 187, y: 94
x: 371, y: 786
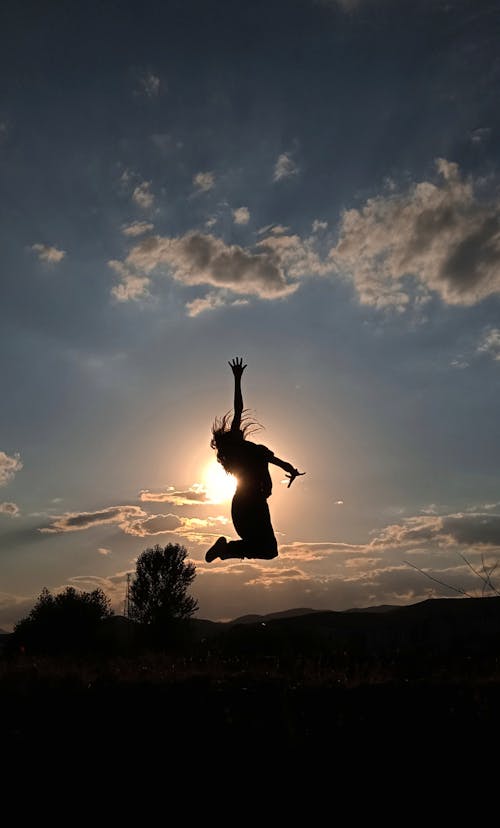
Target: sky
x: 312, y: 185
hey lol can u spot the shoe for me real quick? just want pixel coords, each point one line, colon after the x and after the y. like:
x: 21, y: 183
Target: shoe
x: 215, y: 550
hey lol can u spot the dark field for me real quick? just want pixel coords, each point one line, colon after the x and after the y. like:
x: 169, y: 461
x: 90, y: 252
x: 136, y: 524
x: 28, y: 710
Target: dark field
x: 428, y: 671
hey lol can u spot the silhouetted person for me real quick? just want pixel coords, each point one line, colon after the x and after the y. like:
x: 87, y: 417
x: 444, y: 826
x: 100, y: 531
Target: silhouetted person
x: 249, y: 464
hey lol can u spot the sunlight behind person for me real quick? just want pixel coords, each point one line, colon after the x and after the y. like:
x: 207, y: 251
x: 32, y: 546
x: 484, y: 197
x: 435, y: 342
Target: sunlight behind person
x: 220, y: 487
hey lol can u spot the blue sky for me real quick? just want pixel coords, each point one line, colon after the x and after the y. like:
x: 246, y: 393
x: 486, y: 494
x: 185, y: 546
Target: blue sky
x: 311, y: 185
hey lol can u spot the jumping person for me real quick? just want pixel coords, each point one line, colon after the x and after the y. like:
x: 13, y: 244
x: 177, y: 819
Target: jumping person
x: 249, y: 464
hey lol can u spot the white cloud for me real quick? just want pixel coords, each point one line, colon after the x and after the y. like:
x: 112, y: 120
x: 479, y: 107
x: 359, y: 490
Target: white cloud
x: 11, y: 509
x: 126, y: 177
x: 137, y: 228
x: 241, y: 215
x: 459, y: 363
x: 438, y: 233
x: 318, y: 225
x: 285, y: 167
x: 272, y: 269
x: 150, y: 84
x: 204, y: 181
x: 490, y: 344
x: 202, y: 259
x: 275, y: 229
x: 143, y: 196
x: 9, y: 465
x: 47, y: 253
x: 131, y: 287
x: 212, y: 301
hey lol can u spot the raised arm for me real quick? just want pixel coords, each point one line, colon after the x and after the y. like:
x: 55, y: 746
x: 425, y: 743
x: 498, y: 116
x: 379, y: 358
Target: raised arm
x: 292, y: 473
x: 237, y: 368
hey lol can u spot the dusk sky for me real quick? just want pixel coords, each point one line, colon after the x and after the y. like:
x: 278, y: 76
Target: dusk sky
x: 312, y: 185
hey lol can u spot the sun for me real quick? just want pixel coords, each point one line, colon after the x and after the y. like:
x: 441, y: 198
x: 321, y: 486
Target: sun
x: 219, y: 486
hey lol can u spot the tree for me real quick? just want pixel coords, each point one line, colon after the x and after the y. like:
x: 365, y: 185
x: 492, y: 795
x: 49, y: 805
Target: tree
x: 158, y: 592
x: 66, y: 622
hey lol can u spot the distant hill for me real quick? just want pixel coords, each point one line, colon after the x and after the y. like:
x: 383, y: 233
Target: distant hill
x: 381, y: 608
x: 416, y: 638
x: 259, y: 619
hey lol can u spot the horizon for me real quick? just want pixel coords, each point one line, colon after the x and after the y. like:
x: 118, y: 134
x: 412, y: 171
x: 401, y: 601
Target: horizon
x: 313, y: 186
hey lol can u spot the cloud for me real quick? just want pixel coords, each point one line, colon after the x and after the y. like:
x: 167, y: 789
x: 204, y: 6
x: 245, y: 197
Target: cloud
x: 153, y: 525
x: 104, y: 550
x: 13, y: 608
x: 275, y: 229
x: 490, y: 344
x: 480, y: 135
x: 137, y: 228
x: 203, y: 259
x: 133, y: 520
x: 440, y: 234
x: 150, y: 84
x: 204, y: 181
x: 131, y: 287
x: 114, y: 586
x: 459, y: 363
x: 46, y: 253
x: 307, y: 552
x: 285, y: 167
x: 241, y: 215
x: 318, y: 225
x: 212, y: 301
x: 327, y: 575
x: 11, y: 509
x: 143, y: 196
x: 192, y: 496
x: 124, y: 516
x: 9, y: 466
x: 466, y: 529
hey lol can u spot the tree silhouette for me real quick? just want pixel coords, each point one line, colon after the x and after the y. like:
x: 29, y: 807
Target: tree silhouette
x: 68, y: 621
x: 158, y: 592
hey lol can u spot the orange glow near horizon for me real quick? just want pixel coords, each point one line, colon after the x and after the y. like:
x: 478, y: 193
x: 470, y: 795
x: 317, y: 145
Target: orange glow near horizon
x: 220, y: 487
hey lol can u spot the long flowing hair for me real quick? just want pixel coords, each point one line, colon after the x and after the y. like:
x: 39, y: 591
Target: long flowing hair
x: 225, y: 441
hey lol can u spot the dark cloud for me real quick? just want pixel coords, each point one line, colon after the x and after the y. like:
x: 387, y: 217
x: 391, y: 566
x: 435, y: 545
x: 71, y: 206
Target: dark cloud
x: 76, y: 522
x: 154, y: 525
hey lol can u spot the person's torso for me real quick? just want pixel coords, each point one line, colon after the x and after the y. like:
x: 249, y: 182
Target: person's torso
x: 249, y: 464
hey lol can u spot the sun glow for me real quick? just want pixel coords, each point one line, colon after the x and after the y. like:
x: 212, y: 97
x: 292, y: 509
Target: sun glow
x: 219, y: 486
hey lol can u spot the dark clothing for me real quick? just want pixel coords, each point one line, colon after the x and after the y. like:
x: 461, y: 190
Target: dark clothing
x: 252, y: 521
x: 248, y: 462
x: 249, y: 510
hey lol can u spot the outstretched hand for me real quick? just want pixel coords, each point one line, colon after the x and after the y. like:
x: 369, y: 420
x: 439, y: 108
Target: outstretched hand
x: 237, y: 366
x: 293, y: 474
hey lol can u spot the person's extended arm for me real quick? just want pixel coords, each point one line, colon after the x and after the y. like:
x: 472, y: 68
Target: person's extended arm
x: 292, y: 473
x: 237, y: 368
